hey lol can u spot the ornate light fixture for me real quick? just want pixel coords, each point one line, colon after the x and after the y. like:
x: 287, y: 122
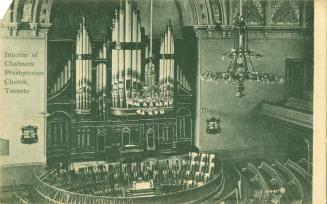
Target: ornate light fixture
x: 241, y: 68
x: 152, y: 101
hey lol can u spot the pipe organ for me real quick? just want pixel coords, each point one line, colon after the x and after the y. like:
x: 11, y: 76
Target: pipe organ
x: 119, y: 62
x: 83, y: 70
x: 119, y: 76
x: 182, y: 80
x: 167, y: 64
x: 62, y: 79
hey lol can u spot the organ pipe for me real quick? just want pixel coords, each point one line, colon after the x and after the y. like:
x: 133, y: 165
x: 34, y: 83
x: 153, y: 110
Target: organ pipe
x: 135, y: 76
x: 161, y: 63
x: 101, y: 83
x: 115, y: 61
x: 65, y: 74
x: 167, y: 64
x: 69, y: 67
x: 121, y: 40
x: 126, y: 55
x: 83, y: 70
x: 128, y: 51
x: 138, y: 51
x: 58, y: 83
x: 62, y: 79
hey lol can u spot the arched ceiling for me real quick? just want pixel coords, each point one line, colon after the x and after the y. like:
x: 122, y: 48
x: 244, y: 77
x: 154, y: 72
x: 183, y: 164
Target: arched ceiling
x: 62, y: 14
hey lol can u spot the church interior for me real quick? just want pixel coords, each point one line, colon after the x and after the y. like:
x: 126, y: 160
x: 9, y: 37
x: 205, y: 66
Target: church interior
x: 166, y: 101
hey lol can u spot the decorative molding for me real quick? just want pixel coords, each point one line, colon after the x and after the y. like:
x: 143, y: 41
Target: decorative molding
x: 22, y: 20
x: 24, y: 30
x: 255, y: 32
x: 285, y: 12
x: 288, y: 115
x: 253, y: 11
x: 23, y: 164
x: 203, y: 12
x: 45, y: 10
x: 34, y: 28
x: 13, y: 28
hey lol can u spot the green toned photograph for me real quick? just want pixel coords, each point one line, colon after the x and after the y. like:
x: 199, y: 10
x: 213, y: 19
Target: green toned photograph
x: 157, y: 102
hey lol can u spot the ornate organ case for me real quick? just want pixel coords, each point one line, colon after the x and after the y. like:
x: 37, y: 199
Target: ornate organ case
x: 97, y: 88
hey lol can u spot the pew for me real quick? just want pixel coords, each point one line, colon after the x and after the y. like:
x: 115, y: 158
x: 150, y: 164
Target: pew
x: 305, y: 164
x: 293, y: 185
x: 261, y: 181
x: 272, y: 173
x: 299, y: 170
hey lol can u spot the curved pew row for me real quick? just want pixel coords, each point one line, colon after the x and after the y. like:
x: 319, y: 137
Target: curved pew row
x: 254, y: 187
x: 272, y: 173
x: 209, y: 199
x: 305, y: 164
x: 293, y: 187
x: 230, y: 191
x: 303, y: 176
x: 250, y: 188
x: 275, y: 182
x: 299, y: 171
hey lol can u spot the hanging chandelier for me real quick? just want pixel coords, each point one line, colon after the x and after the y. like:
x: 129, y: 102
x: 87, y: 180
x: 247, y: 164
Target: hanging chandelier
x: 240, y: 67
x: 152, y: 101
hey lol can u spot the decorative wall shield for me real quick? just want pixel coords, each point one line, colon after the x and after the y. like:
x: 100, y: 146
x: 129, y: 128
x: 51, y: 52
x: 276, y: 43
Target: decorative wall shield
x: 213, y: 125
x: 29, y: 134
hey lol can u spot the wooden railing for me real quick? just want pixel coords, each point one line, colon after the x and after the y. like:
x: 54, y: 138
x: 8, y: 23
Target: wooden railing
x: 18, y: 198
x: 229, y: 195
x: 54, y: 195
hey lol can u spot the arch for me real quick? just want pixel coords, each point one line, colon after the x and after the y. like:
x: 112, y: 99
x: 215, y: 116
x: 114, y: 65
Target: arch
x: 184, y: 123
x: 190, y: 11
x: 183, y: 111
x: 59, y: 112
x: 150, y: 139
x: 163, y: 136
x: 17, y: 4
x: 35, y: 9
x: 45, y: 12
x: 27, y: 9
x: 58, y: 125
x: 125, y: 136
x: 187, y: 16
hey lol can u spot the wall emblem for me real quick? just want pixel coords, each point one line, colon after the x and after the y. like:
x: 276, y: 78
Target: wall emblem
x: 213, y: 125
x: 29, y: 134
